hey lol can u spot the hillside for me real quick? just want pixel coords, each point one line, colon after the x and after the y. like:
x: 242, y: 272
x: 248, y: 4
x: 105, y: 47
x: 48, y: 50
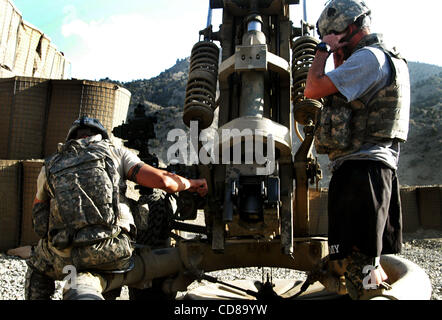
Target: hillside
x: 165, y: 90
x: 420, y: 71
x: 420, y: 157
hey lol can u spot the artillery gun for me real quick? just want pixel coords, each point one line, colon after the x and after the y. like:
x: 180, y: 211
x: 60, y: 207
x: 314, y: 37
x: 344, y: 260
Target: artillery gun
x: 253, y: 205
x: 257, y: 211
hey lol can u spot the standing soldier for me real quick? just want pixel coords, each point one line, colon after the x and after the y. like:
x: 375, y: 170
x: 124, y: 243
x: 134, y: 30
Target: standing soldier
x: 364, y: 119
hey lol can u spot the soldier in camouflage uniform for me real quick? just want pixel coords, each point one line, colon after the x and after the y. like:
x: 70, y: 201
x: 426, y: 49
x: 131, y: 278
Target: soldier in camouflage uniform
x: 364, y: 119
x: 80, y: 211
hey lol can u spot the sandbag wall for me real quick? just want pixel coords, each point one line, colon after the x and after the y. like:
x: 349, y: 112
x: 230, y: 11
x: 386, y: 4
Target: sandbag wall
x: 421, y: 209
x: 25, y: 50
x: 35, y: 115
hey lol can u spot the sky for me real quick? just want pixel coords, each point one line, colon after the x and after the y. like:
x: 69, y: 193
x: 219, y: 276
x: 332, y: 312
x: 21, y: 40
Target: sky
x: 139, y: 39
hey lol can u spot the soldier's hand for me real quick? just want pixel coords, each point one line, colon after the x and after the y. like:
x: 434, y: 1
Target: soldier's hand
x: 199, y: 186
x: 338, y: 57
x: 334, y: 41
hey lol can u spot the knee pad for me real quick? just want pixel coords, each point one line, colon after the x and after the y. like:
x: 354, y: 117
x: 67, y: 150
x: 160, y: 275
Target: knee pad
x: 87, y: 286
x: 82, y: 293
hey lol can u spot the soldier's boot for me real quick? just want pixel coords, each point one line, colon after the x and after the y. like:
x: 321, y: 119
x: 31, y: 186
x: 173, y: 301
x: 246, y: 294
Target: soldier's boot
x: 330, y: 274
x: 86, y: 286
x: 357, y: 278
x: 38, y: 286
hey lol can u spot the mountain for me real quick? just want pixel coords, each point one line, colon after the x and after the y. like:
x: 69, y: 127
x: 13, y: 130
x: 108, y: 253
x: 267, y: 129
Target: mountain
x: 420, y: 71
x: 420, y: 162
x: 167, y: 89
x: 420, y: 158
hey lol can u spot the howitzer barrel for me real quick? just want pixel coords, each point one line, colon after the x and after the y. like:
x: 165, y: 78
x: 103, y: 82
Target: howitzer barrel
x: 191, y: 256
x: 149, y: 265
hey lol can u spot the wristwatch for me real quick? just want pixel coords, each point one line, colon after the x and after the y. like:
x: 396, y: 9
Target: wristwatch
x: 324, y: 47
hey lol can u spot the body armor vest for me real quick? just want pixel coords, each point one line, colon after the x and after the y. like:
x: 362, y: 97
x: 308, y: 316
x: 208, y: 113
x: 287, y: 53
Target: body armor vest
x: 85, y: 186
x: 344, y: 127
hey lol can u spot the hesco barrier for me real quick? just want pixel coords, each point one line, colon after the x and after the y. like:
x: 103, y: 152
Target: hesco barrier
x: 107, y: 102
x: 6, y: 102
x: 318, y: 223
x: 28, y: 41
x: 10, y: 204
x: 25, y: 50
x: 37, y: 113
x: 421, y: 209
x: 27, y: 118
x: 31, y: 169
x: 10, y: 19
x: 18, y: 184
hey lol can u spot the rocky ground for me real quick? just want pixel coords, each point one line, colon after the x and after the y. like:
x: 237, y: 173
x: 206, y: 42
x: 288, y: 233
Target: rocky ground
x: 423, y: 248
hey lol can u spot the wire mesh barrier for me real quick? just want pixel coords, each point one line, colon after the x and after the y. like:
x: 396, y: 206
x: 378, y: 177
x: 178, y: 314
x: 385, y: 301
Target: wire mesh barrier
x: 36, y: 115
x: 37, y: 112
x: 38, y: 107
x: 18, y: 187
x: 10, y: 211
x: 27, y: 51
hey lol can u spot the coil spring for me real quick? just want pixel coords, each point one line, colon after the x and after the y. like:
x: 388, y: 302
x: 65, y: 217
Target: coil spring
x: 303, y: 54
x: 199, y: 104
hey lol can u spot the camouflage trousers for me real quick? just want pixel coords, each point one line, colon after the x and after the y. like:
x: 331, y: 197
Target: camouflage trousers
x: 48, y: 264
x: 353, y: 276
x: 357, y: 275
x: 38, y: 286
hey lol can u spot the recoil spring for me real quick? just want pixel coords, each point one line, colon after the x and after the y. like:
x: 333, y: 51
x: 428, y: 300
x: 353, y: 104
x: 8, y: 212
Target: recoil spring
x: 200, y: 103
x: 303, y: 54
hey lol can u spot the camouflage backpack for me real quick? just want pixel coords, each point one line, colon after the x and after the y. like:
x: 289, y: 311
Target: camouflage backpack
x: 84, y: 183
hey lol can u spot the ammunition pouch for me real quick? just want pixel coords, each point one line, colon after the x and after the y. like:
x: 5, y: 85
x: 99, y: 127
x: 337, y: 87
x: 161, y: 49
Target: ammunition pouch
x: 333, y: 131
x: 89, y: 235
x: 341, y: 127
x: 109, y: 254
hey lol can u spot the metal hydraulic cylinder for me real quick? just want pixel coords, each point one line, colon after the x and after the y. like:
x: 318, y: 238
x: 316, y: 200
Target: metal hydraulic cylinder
x: 252, y: 94
x: 252, y: 89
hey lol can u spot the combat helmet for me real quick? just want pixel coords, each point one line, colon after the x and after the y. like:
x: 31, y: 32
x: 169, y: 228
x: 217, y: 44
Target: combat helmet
x: 339, y: 14
x: 85, y: 121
